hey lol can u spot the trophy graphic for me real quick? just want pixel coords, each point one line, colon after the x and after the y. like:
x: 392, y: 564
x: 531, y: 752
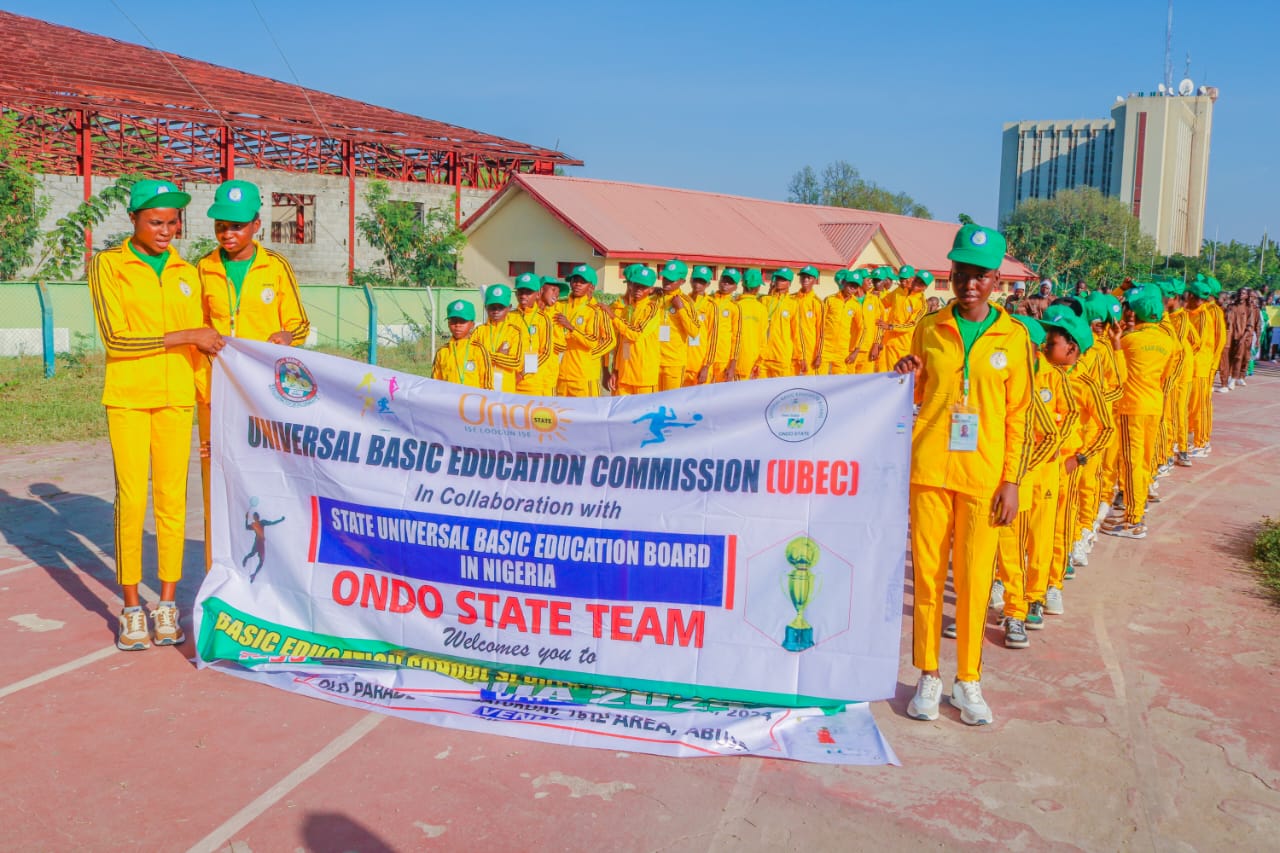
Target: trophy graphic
x: 801, y: 584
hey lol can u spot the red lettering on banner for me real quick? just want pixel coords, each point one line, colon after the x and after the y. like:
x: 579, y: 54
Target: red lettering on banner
x: 807, y: 477
x: 675, y: 631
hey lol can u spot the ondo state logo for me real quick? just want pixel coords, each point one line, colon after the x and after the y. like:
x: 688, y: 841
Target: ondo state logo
x: 796, y: 415
x: 531, y: 419
x: 294, y: 384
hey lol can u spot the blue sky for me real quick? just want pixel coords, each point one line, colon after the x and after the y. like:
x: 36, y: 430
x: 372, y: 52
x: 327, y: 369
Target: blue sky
x: 735, y: 98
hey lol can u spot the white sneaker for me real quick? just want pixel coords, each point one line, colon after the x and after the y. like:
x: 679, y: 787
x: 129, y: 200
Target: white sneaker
x: 1079, y: 553
x: 1089, y: 537
x: 924, y: 705
x: 1241, y: 382
x: 1053, y: 601
x: 1231, y: 384
x: 1221, y: 390
x: 967, y: 696
x: 996, y: 601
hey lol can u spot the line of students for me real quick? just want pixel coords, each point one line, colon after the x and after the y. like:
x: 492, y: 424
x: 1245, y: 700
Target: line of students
x: 160, y: 320
x: 658, y: 337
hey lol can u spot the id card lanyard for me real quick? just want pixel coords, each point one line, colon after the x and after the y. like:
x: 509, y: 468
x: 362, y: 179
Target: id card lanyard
x: 964, y: 418
x: 460, y: 364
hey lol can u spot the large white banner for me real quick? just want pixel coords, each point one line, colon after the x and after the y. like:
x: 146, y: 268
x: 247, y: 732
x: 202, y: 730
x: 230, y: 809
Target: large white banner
x: 595, y: 571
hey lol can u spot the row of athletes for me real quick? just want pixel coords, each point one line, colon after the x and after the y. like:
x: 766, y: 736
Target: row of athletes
x: 557, y: 339
x: 161, y: 319
x: 1032, y: 437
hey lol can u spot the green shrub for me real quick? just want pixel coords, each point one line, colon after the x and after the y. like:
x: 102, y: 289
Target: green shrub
x: 1266, y: 557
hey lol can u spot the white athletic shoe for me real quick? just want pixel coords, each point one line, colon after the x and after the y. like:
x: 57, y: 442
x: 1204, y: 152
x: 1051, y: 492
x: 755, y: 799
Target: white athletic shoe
x: 1241, y: 382
x: 967, y: 696
x: 924, y: 705
x: 1053, y: 601
x: 1079, y: 553
x: 996, y: 602
x: 1221, y: 389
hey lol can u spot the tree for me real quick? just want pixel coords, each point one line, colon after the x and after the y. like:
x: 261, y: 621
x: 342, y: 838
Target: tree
x: 63, y: 255
x: 842, y: 186
x: 21, y: 204
x: 420, y: 249
x: 1079, y: 235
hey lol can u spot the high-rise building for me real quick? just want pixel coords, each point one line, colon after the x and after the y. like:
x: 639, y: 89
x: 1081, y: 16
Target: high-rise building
x: 1153, y: 154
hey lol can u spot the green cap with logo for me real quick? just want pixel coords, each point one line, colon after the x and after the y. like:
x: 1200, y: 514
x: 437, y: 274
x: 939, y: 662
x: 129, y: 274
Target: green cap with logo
x: 732, y: 274
x: 561, y: 284
x: 982, y: 247
x: 907, y: 272
x: 641, y: 275
x: 461, y: 309
x: 1215, y: 284
x: 754, y: 279
x: 1201, y: 289
x: 925, y: 276
x: 583, y: 272
x: 810, y: 270
x: 1103, y: 307
x: 840, y: 276
x: 1034, y: 329
x: 1146, y: 303
x: 497, y: 294
x: 886, y: 273
x: 857, y: 276
x: 149, y: 193
x: 1076, y: 327
x: 528, y: 281
x: 784, y: 273
x: 701, y: 273
x: 235, y: 201
x: 675, y: 270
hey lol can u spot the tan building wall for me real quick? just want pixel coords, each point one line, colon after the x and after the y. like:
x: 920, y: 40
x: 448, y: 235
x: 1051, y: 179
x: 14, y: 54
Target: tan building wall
x: 522, y: 230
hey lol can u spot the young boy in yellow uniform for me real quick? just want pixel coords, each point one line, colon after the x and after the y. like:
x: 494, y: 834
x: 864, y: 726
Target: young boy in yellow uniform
x: 552, y: 292
x: 463, y: 359
x: 588, y: 337
x: 873, y: 312
x: 753, y: 322
x: 1148, y: 354
x: 147, y: 304
x: 505, y: 340
x: 248, y: 292
x: 782, y: 331
x: 1178, y: 394
x: 722, y: 359
x: 540, y: 361
x: 676, y: 325
x: 904, y: 308
x: 636, y: 318
x: 1069, y: 339
x: 701, y: 347
x: 841, y: 322
x: 969, y: 453
x: 808, y: 322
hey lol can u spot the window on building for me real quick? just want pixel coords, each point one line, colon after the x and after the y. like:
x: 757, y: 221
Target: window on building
x: 293, y: 218
x: 563, y: 268
x: 515, y: 268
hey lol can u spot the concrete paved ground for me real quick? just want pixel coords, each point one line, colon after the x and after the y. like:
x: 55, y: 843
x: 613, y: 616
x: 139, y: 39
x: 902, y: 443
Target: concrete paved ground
x: 1143, y: 719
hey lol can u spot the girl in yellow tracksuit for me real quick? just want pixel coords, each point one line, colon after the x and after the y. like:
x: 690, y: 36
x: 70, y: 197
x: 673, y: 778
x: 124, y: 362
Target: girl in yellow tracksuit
x: 782, y: 330
x: 1205, y: 359
x: 970, y: 449
x: 753, y: 321
x: 636, y: 318
x: 146, y: 301
x: 725, y: 339
x: 842, y: 328
x: 588, y: 337
x: 541, y: 354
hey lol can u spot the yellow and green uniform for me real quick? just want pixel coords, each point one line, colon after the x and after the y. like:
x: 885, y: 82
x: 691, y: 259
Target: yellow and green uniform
x: 636, y: 359
x: 753, y: 322
x: 1148, y: 353
x: 872, y: 312
x: 841, y: 333
x: 902, y: 314
x: 464, y: 362
x: 1209, y: 337
x: 809, y: 328
x: 149, y: 394
x: 701, y: 347
x: 506, y: 342
x: 675, y: 327
x: 540, y: 335
x: 1093, y: 432
x: 587, y: 341
x: 726, y: 329
x: 782, y: 331
x: 1054, y: 391
x: 952, y: 490
x: 1100, y: 363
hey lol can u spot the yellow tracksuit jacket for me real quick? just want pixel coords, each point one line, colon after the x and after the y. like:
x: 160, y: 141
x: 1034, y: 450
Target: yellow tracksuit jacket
x: 872, y: 312
x: 782, y: 331
x: 636, y: 359
x: 725, y: 337
x: 842, y: 332
x: 809, y: 327
x: 754, y: 321
x: 506, y: 342
x: 540, y: 335
x: 464, y: 362
x: 675, y: 327
x: 701, y: 347
x: 1148, y: 354
x: 269, y: 300
x: 1054, y: 391
x: 902, y: 314
x: 587, y: 341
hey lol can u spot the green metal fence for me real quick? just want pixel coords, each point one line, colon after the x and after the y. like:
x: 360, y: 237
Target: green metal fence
x: 43, y: 319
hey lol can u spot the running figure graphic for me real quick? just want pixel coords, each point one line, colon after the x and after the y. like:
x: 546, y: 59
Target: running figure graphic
x: 661, y: 420
x: 259, y: 528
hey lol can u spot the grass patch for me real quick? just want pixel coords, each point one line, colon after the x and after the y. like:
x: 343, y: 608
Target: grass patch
x: 68, y: 407
x: 1266, y: 557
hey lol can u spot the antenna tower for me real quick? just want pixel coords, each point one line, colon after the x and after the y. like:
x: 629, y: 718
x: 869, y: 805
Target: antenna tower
x: 1168, y: 51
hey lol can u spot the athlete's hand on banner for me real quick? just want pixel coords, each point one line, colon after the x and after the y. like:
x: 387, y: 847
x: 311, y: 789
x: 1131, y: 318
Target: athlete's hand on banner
x: 281, y: 337
x: 908, y: 364
x: 205, y: 339
x: 1004, y: 506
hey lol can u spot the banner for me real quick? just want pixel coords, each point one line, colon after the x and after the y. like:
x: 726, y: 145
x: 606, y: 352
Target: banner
x: 670, y: 559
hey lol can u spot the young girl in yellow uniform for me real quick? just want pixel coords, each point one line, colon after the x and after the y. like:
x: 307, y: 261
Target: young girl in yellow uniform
x: 969, y: 453
x: 146, y: 301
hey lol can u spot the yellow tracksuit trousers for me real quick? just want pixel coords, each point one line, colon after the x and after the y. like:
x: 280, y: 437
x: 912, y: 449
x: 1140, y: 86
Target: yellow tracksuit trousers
x: 1201, y: 410
x: 1064, y: 528
x: 946, y: 524
x: 670, y: 378
x: 159, y: 440
x: 1137, y: 444
x: 1040, y: 530
x: 568, y: 387
x: 1011, y: 563
x: 771, y: 369
x: 1090, y: 492
x: 626, y: 390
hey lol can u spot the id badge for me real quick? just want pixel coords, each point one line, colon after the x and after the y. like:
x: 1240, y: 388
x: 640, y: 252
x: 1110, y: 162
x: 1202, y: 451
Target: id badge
x: 664, y: 333
x: 497, y: 381
x: 695, y: 341
x: 531, y: 362
x: 964, y: 429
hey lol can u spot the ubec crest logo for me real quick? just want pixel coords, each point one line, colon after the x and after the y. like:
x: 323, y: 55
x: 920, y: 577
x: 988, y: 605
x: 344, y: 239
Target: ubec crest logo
x: 294, y: 384
x: 796, y: 415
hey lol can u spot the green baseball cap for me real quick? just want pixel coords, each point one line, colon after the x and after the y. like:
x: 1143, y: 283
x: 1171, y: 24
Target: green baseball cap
x: 497, y: 294
x: 1034, y: 328
x: 732, y: 274
x: 235, y: 201
x: 701, y: 273
x: 925, y: 276
x: 675, y: 270
x: 1168, y: 288
x: 1076, y: 327
x: 810, y: 270
x: 1146, y: 303
x: 784, y: 273
x: 840, y: 276
x: 641, y: 275
x: 1102, y: 307
x: 858, y: 276
x: 1200, y: 289
x: 585, y: 273
x: 149, y: 193
x: 561, y: 284
x: 886, y: 272
x: 907, y: 272
x: 461, y: 309
x: 754, y: 279
x: 982, y: 247
x: 1215, y: 284
x: 528, y: 281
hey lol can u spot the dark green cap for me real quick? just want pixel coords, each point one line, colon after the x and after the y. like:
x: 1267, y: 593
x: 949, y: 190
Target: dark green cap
x: 784, y: 273
x: 149, y: 193
x: 754, y: 279
x: 497, y: 294
x: 235, y: 201
x: 585, y: 273
x: 1034, y: 330
x: 1076, y: 327
x: 675, y: 270
x: 461, y: 309
x: 810, y: 270
x: 528, y: 281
